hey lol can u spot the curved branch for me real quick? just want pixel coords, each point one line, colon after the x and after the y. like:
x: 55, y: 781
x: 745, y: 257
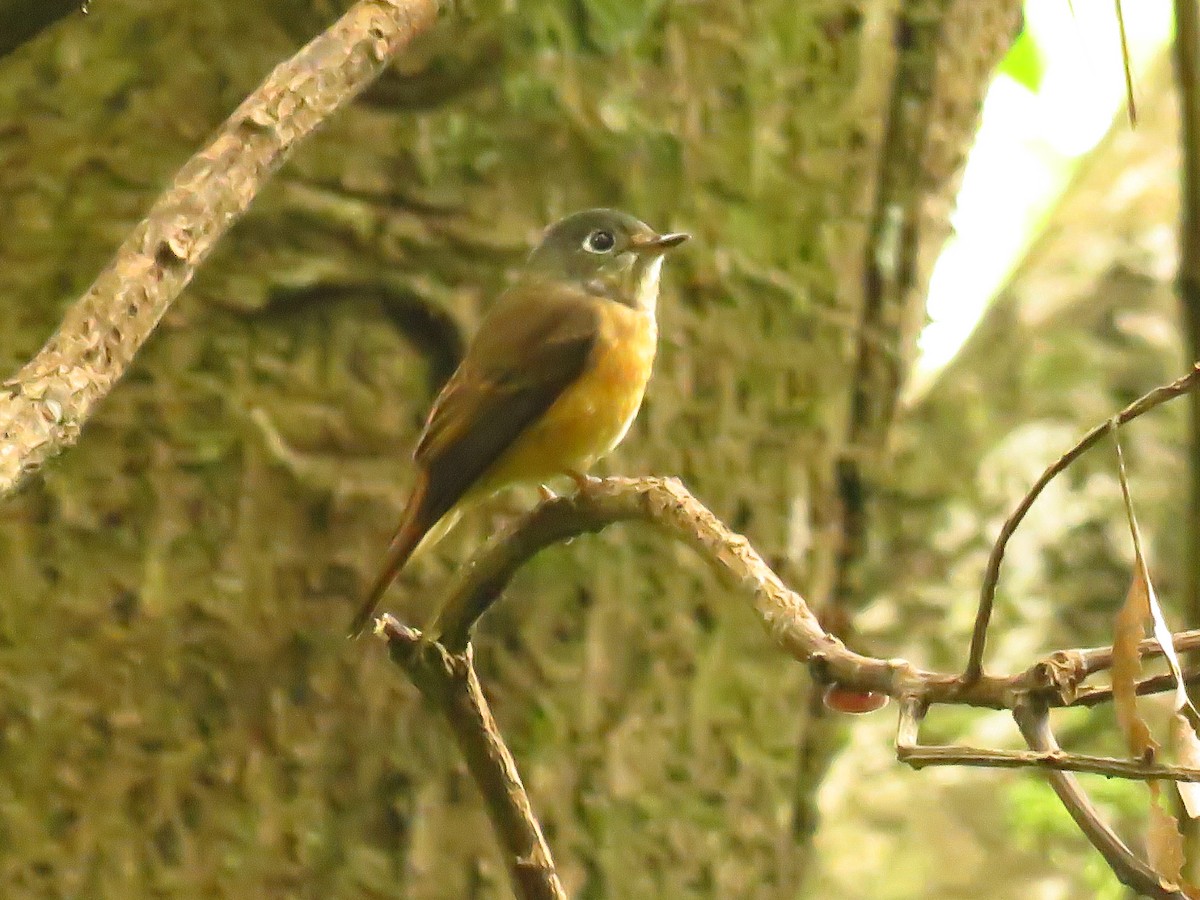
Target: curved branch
x: 987, y: 594
x: 667, y: 505
x: 449, y: 682
x: 45, y: 404
x: 1034, y: 722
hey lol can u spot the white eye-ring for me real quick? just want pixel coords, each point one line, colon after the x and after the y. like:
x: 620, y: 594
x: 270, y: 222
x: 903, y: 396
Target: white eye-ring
x: 599, y: 241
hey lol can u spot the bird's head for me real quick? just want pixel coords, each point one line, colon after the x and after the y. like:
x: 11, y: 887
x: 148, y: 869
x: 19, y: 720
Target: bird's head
x: 605, y: 252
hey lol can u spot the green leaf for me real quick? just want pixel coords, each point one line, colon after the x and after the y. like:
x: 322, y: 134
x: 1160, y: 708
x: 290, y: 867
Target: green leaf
x: 1024, y: 62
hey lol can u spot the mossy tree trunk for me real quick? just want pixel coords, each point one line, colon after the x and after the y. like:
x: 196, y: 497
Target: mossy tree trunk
x: 181, y: 712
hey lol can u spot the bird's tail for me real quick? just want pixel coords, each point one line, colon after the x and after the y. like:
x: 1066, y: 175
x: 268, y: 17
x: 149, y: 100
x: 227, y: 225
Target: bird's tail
x: 415, y: 535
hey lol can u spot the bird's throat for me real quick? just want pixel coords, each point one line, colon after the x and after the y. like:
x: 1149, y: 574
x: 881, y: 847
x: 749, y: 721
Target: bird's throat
x: 635, y: 285
x: 645, y: 290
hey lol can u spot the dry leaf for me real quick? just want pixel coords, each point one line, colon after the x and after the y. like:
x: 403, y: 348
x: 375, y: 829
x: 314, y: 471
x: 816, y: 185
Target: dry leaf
x: 1187, y: 751
x: 1164, y: 843
x: 1128, y: 629
x: 1162, y: 633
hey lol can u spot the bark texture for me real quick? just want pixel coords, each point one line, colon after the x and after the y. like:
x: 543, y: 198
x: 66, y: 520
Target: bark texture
x: 182, y: 713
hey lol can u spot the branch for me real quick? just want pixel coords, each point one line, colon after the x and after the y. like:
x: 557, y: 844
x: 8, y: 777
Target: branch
x: 45, y: 404
x: 987, y: 595
x: 1156, y: 684
x: 668, y: 506
x: 918, y: 756
x: 1034, y: 722
x: 1032, y: 718
x: 448, y: 682
x: 1098, y: 659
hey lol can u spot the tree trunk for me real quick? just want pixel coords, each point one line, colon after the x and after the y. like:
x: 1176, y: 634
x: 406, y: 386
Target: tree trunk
x: 183, y: 713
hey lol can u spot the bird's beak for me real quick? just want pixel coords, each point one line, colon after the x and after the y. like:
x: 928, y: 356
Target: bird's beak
x: 659, y: 243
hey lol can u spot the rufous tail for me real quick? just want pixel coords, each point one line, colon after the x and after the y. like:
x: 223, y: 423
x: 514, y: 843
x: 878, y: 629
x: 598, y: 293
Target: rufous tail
x: 413, y: 529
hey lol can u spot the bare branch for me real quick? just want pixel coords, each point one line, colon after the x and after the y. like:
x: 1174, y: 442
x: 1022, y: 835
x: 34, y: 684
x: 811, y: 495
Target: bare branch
x: 1100, y: 658
x: 987, y: 595
x: 911, y: 751
x: 668, y: 506
x: 448, y: 681
x: 919, y: 756
x: 1156, y: 684
x: 45, y: 404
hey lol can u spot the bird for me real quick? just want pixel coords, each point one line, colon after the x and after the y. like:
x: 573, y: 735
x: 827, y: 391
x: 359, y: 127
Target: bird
x: 549, y: 384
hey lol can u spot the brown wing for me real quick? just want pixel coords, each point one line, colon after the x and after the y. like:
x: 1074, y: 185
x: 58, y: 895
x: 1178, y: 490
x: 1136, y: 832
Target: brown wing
x: 532, y: 345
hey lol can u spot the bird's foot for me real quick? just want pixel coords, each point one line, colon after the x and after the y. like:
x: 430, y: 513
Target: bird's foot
x: 546, y: 494
x: 585, y: 484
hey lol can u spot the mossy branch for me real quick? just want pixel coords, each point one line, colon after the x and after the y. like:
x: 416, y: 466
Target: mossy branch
x: 448, y: 681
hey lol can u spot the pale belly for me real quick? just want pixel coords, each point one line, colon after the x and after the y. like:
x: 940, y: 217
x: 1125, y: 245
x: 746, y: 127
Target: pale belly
x: 593, y: 415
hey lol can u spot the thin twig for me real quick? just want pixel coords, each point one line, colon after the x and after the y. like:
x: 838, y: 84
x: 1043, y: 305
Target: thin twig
x: 1100, y: 658
x: 448, y: 681
x: 910, y: 750
x: 1034, y: 721
x: 987, y: 595
x: 1155, y: 684
x: 922, y: 755
x: 45, y: 404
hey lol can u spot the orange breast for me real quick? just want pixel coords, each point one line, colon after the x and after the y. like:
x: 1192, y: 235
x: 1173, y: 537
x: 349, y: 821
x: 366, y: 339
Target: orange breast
x: 592, y: 415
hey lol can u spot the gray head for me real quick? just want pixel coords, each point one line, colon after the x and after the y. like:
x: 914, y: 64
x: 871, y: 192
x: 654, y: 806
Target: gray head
x: 605, y: 252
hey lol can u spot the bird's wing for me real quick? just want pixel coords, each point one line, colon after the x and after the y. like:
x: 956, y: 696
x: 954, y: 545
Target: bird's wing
x: 532, y: 345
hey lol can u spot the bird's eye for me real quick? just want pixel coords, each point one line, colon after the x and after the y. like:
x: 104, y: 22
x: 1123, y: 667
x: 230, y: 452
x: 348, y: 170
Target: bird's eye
x: 599, y: 241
